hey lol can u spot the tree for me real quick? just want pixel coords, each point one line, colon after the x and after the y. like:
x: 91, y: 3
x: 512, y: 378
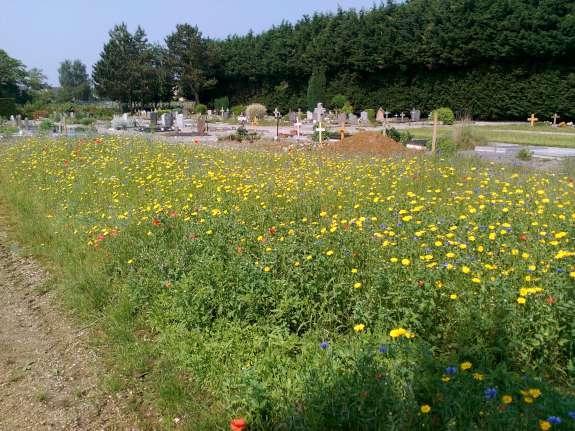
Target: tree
x: 191, y: 61
x: 74, y: 80
x: 117, y: 74
x: 316, y: 88
x: 12, y: 77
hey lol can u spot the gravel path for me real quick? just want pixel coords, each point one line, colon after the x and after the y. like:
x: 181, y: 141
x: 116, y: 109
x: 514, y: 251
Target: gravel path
x: 49, y: 378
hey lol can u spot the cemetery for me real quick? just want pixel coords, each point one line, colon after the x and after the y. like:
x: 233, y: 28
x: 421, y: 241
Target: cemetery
x: 361, y: 220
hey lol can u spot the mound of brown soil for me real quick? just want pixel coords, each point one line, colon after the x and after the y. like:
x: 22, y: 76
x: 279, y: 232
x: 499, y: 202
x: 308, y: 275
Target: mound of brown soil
x: 372, y: 143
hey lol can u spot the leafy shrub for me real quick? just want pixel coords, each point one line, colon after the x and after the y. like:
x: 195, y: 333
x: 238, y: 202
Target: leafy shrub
x: 200, y: 109
x: 338, y: 101
x: 370, y: 114
x: 394, y: 134
x: 46, y: 125
x: 222, y: 102
x: 241, y: 135
x: 445, y: 146
x: 445, y: 115
x: 237, y: 110
x: 466, y: 137
x: 347, y: 108
x: 87, y: 121
x: 525, y: 154
x: 405, y: 137
x: 256, y: 110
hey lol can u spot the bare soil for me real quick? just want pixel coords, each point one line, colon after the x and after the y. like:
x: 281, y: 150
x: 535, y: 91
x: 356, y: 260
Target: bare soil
x: 50, y: 379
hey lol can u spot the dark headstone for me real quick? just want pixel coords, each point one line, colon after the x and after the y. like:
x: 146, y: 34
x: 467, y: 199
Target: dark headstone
x: 153, y: 120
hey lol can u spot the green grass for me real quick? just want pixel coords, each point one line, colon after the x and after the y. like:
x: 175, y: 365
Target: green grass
x: 524, y: 135
x: 267, y: 286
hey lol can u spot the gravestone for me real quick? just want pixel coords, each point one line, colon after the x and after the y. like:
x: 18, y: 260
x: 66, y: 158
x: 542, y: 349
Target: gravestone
x: 353, y: 120
x: 167, y: 121
x: 12, y: 119
x: 125, y: 117
x: 18, y: 121
x: 292, y: 117
x: 227, y: 114
x: 380, y: 117
x: 201, y: 126
x: 180, y: 121
x: 415, y: 114
x: 209, y: 112
x: 26, y: 124
x: 402, y: 116
x: 318, y: 112
x: 342, y: 118
x: 364, y: 117
x: 309, y: 116
x: 153, y: 120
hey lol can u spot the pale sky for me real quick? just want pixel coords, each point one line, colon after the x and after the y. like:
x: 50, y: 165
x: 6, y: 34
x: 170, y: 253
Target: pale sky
x: 43, y: 33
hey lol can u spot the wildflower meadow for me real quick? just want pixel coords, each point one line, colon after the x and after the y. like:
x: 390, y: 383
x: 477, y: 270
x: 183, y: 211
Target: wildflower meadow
x: 310, y: 291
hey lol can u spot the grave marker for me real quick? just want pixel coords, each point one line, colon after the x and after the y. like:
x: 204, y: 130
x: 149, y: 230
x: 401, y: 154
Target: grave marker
x: 555, y: 118
x: 533, y: 120
x: 320, y: 129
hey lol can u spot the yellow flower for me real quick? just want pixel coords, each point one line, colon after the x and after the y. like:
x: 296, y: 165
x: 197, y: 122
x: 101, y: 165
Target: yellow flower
x: 506, y: 399
x: 445, y: 379
x: 465, y: 365
x: 393, y: 260
x: 354, y: 270
x: 453, y: 296
x: 465, y: 269
x: 405, y: 262
x: 267, y: 269
x: 572, y: 274
x: 528, y: 400
x: 478, y: 376
x: 544, y: 425
x: 535, y: 393
x: 357, y: 285
x: 425, y: 409
x: 395, y: 333
x: 329, y: 252
x: 359, y: 327
x: 521, y: 300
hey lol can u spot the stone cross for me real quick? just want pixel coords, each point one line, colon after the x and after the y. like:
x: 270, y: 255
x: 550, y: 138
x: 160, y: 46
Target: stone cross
x: 320, y: 129
x: 533, y: 120
x: 555, y: 118
x: 402, y: 116
x: 222, y: 111
x: 298, y: 125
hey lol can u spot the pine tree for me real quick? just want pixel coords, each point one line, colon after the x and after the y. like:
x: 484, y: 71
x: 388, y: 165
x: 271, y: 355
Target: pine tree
x: 316, y: 88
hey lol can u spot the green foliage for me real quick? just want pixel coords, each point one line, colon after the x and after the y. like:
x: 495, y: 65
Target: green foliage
x: 393, y: 133
x: 222, y: 102
x: 444, y: 115
x: 244, y: 301
x: 371, y: 114
x: 131, y: 70
x: 74, y: 81
x: 242, y: 134
x: 316, y: 88
x: 200, y: 109
x: 466, y: 137
x: 237, y: 110
x: 46, y: 125
x: 190, y: 60
x: 445, y: 146
x: 347, y: 108
x: 338, y: 101
x: 525, y: 154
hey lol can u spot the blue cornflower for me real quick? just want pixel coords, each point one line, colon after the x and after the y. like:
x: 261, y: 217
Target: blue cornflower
x: 324, y: 345
x: 555, y: 420
x: 450, y: 371
x: 383, y: 349
x: 490, y: 393
x: 571, y: 415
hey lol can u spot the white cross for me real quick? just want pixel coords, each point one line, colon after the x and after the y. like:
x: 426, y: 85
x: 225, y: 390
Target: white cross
x: 555, y: 118
x: 298, y: 125
x: 222, y: 111
x: 320, y: 129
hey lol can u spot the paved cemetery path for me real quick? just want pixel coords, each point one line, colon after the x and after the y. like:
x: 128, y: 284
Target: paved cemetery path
x: 49, y: 378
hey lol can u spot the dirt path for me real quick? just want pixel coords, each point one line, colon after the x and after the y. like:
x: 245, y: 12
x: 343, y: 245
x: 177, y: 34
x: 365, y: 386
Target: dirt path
x: 49, y: 378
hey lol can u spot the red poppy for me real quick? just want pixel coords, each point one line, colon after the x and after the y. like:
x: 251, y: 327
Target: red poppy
x: 523, y: 237
x: 238, y: 424
x: 156, y: 222
x: 173, y: 214
x: 550, y: 300
x: 272, y: 230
